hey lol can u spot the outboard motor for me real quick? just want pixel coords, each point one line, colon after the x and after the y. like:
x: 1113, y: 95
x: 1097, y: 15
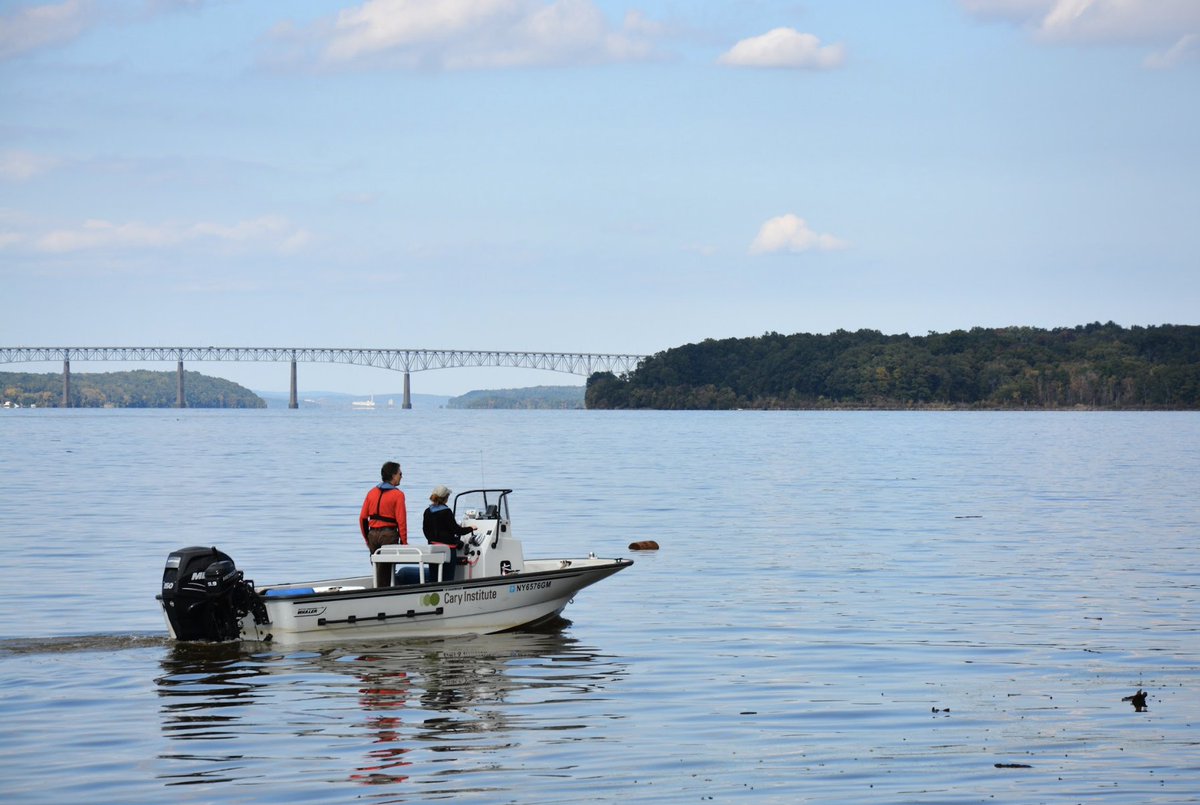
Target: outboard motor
x: 205, y: 596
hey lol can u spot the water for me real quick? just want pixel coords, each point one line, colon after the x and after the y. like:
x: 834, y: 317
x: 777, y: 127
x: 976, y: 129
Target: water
x: 847, y: 607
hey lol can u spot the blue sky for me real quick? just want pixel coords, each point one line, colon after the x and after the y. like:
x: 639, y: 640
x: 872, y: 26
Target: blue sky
x: 587, y: 175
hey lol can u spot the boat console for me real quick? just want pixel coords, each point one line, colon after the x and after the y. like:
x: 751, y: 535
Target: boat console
x: 491, y: 550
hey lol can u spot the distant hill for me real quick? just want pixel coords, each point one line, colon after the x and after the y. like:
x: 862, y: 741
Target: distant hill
x: 557, y: 397
x: 137, y: 389
x: 1102, y: 366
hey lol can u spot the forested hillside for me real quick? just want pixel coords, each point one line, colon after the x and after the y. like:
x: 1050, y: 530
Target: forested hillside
x: 138, y: 389
x: 1093, y: 366
x: 534, y: 397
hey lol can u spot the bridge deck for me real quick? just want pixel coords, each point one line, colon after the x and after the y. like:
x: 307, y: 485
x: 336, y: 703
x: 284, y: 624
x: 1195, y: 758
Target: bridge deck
x: 401, y: 360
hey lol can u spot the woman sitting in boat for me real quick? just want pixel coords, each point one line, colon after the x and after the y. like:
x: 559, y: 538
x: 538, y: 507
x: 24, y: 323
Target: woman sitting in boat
x: 441, y: 528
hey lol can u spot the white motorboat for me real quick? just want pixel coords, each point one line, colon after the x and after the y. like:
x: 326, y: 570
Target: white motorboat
x: 413, y: 591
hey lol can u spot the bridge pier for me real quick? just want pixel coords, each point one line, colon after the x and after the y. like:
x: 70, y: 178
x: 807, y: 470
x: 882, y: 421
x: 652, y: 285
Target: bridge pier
x: 66, y: 400
x: 179, y: 401
x: 293, y: 402
x: 407, y: 397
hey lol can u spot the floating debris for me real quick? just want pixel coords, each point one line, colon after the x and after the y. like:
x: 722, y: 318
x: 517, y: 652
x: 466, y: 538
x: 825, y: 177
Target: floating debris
x: 1138, y: 700
x: 1013, y: 766
x: 644, y: 545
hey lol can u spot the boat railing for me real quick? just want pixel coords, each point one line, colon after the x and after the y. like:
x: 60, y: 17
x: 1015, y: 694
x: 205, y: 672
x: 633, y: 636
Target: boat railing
x: 387, y: 557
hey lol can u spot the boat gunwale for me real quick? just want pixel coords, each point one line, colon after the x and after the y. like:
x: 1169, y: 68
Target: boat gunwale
x: 304, y: 594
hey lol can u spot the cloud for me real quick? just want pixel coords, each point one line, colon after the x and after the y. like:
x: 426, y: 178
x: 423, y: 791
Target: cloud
x: 1015, y: 10
x: 467, y: 34
x: 1169, y: 24
x: 1186, y: 49
x: 43, y: 25
x: 21, y: 165
x: 784, y: 47
x: 272, y: 232
x: 791, y: 233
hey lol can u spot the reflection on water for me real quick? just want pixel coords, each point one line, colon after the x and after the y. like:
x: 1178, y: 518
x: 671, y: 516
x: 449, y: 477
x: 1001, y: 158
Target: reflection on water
x: 372, y: 713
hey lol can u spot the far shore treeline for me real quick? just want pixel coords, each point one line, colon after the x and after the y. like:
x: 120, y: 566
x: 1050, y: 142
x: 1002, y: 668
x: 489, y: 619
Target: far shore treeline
x: 1095, y: 366
x: 137, y: 389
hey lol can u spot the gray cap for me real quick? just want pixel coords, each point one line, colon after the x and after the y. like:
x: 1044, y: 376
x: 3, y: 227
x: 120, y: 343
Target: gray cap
x: 441, y: 492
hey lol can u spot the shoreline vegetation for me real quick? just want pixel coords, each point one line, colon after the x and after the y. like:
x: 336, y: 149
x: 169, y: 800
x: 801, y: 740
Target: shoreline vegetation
x: 141, y: 388
x: 151, y: 389
x: 540, y: 397
x: 1087, y: 367
x: 1094, y: 367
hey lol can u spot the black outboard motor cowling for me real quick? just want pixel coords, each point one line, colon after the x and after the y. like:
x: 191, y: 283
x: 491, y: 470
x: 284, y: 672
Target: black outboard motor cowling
x: 206, y: 597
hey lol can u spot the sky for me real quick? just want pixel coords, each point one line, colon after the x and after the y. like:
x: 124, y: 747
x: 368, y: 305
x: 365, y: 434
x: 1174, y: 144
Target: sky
x: 587, y: 176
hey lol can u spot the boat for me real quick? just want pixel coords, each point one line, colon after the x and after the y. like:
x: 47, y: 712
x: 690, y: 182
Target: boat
x: 412, y: 591
x: 363, y: 404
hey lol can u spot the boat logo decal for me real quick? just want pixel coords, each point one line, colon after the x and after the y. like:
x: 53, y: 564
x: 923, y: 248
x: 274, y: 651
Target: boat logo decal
x: 467, y: 596
x: 430, y: 600
x: 308, y: 612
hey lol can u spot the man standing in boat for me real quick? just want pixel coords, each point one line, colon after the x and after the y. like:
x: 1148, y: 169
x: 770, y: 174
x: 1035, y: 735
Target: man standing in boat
x: 384, y: 516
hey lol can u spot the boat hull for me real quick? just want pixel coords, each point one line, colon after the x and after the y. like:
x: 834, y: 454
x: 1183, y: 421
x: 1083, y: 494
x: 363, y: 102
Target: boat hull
x: 338, y: 609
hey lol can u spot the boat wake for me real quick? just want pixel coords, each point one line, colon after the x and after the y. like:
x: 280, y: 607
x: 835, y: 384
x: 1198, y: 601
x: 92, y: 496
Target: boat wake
x: 15, y: 646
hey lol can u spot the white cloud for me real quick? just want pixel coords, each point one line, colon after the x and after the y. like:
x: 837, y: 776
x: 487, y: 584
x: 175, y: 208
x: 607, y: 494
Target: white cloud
x: 791, y: 233
x: 22, y: 165
x: 43, y: 25
x: 784, y: 47
x: 1186, y: 49
x: 1008, y: 9
x: 1164, y: 23
x: 271, y: 232
x: 470, y: 34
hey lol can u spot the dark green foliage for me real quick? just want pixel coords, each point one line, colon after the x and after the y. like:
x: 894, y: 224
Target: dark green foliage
x: 1092, y: 366
x: 137, y: 389
x: 535, y: 397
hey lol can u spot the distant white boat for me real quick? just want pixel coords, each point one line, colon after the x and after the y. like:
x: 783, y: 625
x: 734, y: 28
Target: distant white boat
x: 364, y: 403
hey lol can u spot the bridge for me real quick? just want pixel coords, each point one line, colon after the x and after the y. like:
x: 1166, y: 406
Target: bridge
x: 405, y: 360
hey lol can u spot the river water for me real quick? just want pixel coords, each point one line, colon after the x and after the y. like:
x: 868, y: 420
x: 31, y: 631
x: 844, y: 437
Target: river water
x: 846, y: 607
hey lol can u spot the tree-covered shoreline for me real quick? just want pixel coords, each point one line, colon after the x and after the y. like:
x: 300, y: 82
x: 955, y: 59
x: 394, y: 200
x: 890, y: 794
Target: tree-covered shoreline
x: 1094, y: 366
x: 136, y: 389
x: 535, y: 397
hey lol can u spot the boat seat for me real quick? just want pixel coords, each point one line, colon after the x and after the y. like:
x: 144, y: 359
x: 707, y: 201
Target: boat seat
x: 387, y: 557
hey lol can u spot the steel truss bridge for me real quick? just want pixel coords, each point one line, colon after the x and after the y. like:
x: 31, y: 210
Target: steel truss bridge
x: 400, y: 360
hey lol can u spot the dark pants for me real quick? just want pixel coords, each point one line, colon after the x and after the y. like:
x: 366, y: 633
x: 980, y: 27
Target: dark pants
x: 377, y: 537
x: 451, y: 564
